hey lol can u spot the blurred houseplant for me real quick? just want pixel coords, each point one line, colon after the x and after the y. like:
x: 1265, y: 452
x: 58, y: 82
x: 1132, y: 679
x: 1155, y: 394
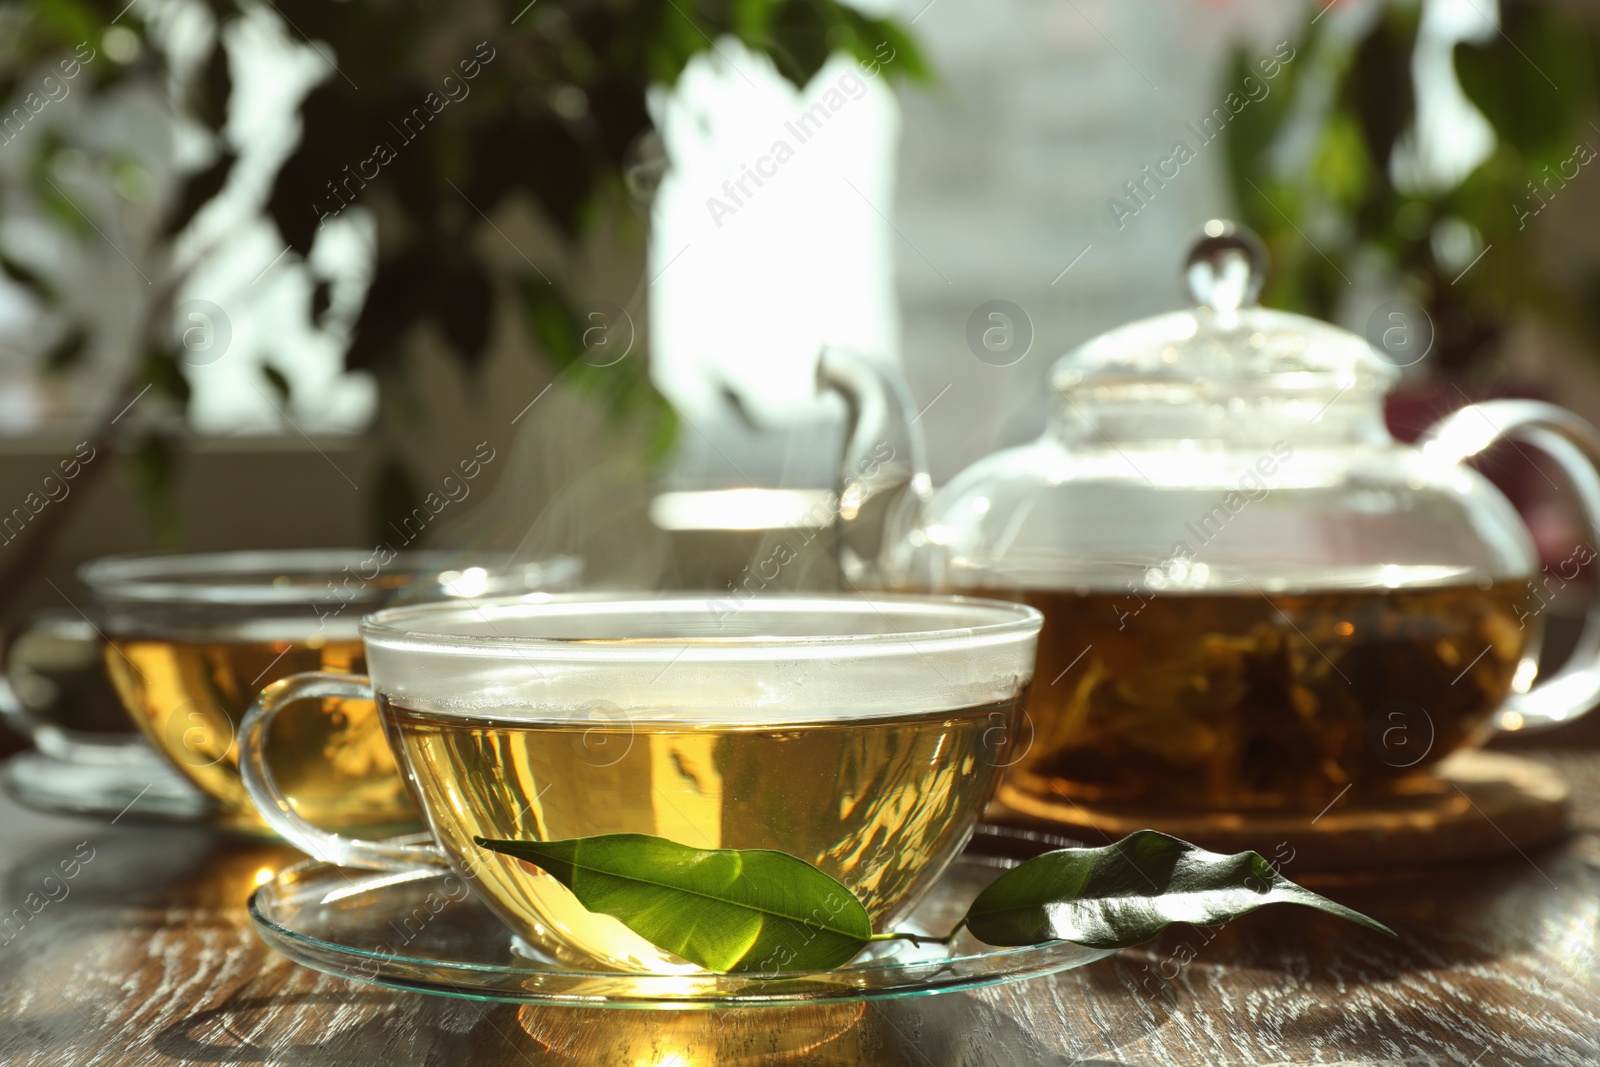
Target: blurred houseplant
x: 557, y: 117
x: 1327, y: 172
x: 1332, y: 173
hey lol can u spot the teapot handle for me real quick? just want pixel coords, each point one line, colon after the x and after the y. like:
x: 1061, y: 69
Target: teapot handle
x: 1575, y: 446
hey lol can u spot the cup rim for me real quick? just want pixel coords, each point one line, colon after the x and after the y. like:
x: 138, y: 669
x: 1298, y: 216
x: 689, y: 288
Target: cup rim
x: 179, y: 578
x: 986, y: 621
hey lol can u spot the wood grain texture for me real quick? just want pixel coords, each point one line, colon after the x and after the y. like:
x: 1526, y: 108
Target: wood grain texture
x: 146, y: 957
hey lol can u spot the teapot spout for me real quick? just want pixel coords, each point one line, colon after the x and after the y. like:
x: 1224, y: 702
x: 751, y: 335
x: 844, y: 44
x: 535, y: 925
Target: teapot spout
x: 883, y: 482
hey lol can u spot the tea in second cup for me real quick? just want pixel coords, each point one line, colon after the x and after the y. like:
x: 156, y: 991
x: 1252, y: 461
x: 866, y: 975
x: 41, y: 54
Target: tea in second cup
x: 193, y: 639
x: 864, y: 736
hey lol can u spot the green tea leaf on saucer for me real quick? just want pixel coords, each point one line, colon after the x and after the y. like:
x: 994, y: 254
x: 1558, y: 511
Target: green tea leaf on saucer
x: 723, y: 909
x: 1126, y: 893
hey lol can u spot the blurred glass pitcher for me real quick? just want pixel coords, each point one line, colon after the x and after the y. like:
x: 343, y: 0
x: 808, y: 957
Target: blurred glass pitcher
x: 1255, y: 598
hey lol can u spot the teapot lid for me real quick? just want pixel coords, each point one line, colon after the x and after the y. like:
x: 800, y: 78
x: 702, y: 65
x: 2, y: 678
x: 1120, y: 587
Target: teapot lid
x: 1227, y: 345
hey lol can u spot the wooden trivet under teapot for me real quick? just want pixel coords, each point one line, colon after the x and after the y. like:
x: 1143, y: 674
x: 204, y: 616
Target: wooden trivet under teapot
x: 1477, y: 806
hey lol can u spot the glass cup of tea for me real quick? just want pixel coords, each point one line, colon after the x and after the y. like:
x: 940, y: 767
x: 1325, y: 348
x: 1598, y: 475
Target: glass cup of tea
x: 862, y: 734
x: 189, y: 641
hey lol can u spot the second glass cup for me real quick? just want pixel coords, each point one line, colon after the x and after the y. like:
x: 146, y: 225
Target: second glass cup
x: 192, y: 639
x: 863, y: 735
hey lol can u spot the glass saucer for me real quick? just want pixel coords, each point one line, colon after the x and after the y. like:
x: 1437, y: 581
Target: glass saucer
x: 142, y: 787
x: 422, y: 931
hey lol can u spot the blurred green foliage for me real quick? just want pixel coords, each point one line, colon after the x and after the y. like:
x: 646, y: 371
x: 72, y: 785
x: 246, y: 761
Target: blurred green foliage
x: 554, y: 110
x: 1313, y: 169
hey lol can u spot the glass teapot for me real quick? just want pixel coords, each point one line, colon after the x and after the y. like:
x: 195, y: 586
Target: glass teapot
x: 1255, y: 597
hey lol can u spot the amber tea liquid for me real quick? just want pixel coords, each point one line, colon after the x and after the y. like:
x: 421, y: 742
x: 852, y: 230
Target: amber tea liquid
x: 874, y: 802
x: 189, y: 696
x: 1240, y: 701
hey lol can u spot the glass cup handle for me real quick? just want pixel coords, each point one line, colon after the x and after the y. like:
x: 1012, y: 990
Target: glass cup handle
x: 53, y: 739
x: 278, y: 810
x: 1575, y: 446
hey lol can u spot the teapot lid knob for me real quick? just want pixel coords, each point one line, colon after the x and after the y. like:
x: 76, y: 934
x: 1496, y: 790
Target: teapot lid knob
x: 1226, y: 267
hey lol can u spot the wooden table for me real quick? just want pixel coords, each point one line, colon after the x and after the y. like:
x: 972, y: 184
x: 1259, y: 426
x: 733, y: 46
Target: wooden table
x: 146, y: 957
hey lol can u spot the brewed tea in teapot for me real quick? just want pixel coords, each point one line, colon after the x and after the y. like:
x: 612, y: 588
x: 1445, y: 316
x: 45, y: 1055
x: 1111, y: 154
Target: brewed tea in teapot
x: 1255, y: 598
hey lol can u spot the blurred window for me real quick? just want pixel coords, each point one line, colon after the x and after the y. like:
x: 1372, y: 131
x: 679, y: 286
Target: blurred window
x: 993, y: 183
x: 771, y: 238
x: 112, y: 161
